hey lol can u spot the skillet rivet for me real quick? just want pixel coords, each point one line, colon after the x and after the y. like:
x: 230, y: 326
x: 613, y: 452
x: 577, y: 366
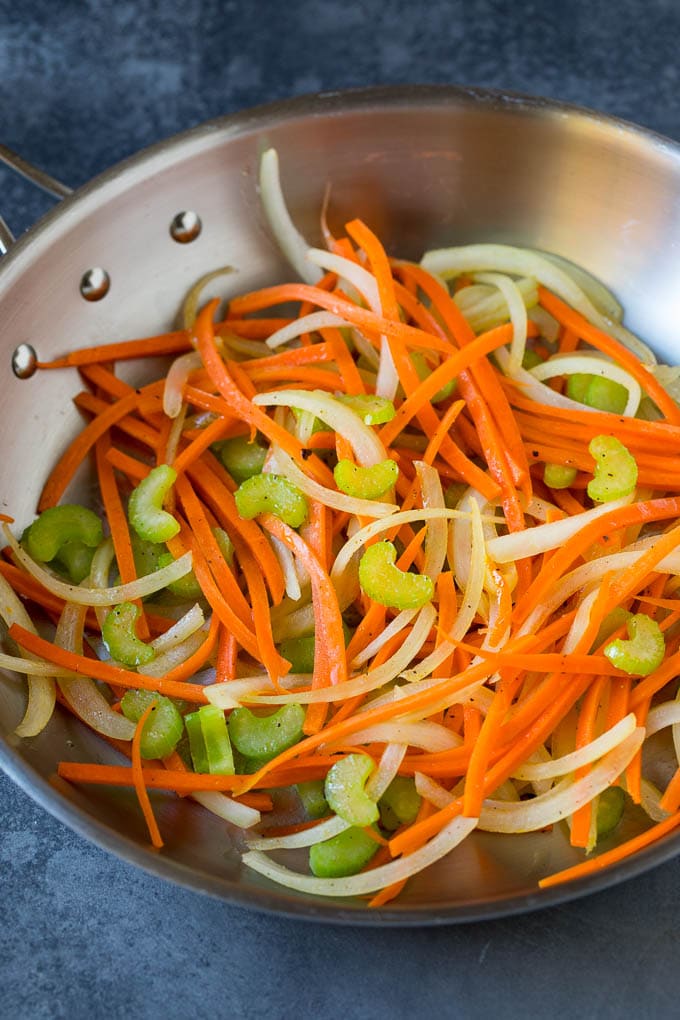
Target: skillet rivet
x: 185, y: 227
x: 24, y: 361
x: 95, y: 283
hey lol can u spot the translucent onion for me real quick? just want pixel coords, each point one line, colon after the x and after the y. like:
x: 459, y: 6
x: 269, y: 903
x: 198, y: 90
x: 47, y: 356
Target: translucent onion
x: 650, y: 798
x: 308, y: 837
x: 431, y: 790
x: 287, y: 564
x: 311, y: 323
x: 393, y: 628
x: 41, y: 688
x: 366, y: 683
x: 192, y: 621
x: 580, y: 622
x: 437, y: 531
x: 594, y: 289
x: 138, y: 589
x: 518, y: 315
x: 241, y: 815
x: 568, y: 364
x: 191, y: 301
x: 387, y: 769
x: 387, y: 379
x: 565, y: 798
x: 362, y: 281
x: 174, y: 656
x: 658, y: 718
x: 583, y: 756
x: 233, y: 693
x: 365, y: 443
x: 368, y: 881
x: 31, y: 667
x: 544, y: 537
x: 428, y: 736
x: 80, y: 692
x: 289, y: 239
x: 175, y: 381
x: 485, y: 307
x: 284, y: 464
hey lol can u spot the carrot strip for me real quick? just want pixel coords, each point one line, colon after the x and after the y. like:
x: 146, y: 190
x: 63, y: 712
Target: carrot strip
x: 138, y: 778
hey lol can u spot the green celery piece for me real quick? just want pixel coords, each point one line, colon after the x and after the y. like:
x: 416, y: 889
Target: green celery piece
x: 342, y: 855
x: 76, y: 559
x: 645, y: 650
x: 531, y: 359
x: 58, y: 526
x: 299, y: 651
x: 596, y: 391
x: 424, y: 372
x: 612, y: 621
x: 345, y: 790
x: 371, y: 409
x: 610, y: 805
x: 118, y: 634
x: 164, y: 727
x: 265, y: 736
x: 454, y: 493
x: 145, y: 507
x: 383, y: 582
x: 186, y: 587
x: 365, y: 482
x: 209, y: 741
x: 400, y: 803
x: 241, y: 458
x: 616, y: 472
x: 312, y: 796
x: 271, y: 494
x: 559, y: 476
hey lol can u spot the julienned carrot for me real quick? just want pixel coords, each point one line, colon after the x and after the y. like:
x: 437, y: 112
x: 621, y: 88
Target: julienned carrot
x: 125, y: 350
x: 103, y: 670
x: 185, y: 782
x: 138, y: 778
x: 611, y: 857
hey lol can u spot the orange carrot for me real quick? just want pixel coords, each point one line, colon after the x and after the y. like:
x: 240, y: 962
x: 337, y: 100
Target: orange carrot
x: 138, y: 777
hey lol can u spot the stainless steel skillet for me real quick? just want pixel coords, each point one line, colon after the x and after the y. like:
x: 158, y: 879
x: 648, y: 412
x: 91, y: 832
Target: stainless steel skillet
x: 424, y: 166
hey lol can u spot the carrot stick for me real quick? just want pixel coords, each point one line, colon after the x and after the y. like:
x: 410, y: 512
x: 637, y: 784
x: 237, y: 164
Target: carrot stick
x: 138, y: 778
x: 103, y: 670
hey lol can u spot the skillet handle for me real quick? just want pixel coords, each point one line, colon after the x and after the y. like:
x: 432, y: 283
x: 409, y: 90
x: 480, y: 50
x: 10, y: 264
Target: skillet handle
x: 36, y: 176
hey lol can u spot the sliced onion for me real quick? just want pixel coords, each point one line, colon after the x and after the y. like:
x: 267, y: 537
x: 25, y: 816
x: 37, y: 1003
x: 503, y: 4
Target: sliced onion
x: 594, y: 289
x: 31, y: 667
x: 565, y: 798
x: 284, y: 464
x: 192, y: 621
x: 485, y: 307
x: 518, y: 314
x: 289, y: 239
x: 395, y: 627
x: 567, y: 364
x: 437, y: 531
x: 190, y: 306
x: 584, y: 756
x: 368, y: 881
x: 311, y: 323
x: 174, y: 656
x: 365, y: 443
x: 80, y: 692
x: 544, y: 537
x: 366, y: 683
x: 661, y: 716
x: 233, y: 693
x: 428, y: 736
x: 387, y: 379
x: 176, y: 379
x: 241, y: 815
x: 308, y: 837
x: 650, y: 801
x: 360, y: 278
x: 580, y: 622
x: 287, y: 564
x: 432, y: 791
x: 387, y: 769
x: 41, y: 688
x: 143, y: 586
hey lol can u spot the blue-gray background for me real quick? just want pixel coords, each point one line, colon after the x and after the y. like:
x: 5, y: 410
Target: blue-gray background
x: 81, y: 935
